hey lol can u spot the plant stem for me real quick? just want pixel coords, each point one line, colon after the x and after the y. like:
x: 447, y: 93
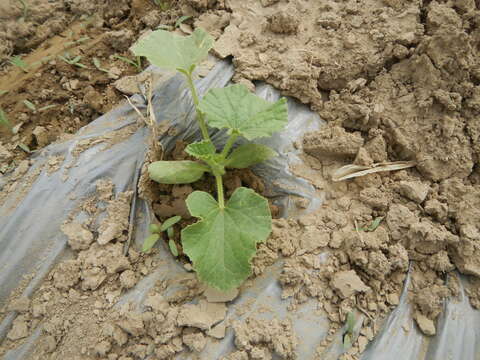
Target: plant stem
x: 221, y: 201
x: 228, y: 146
x: 200, y: 116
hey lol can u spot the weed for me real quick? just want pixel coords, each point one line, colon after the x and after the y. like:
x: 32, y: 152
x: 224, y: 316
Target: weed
x: 24, y: 5
x: 30, y: 105
x: 18, y: 62
x: 46, y: 107
x: 348, y: 333
x: 75, y: 61
x: 373, y: 226
x: 156, y: 230
x: 98, y: 65
x: 223, y: 241
x: 163, y: 5
x: 76, y: 42
x: 24, y: 148
x: 137, y: 63
x: 4, y: 120
x: 181, y: 20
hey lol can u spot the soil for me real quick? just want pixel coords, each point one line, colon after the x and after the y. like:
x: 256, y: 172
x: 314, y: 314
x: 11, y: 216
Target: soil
x: 395, y: 81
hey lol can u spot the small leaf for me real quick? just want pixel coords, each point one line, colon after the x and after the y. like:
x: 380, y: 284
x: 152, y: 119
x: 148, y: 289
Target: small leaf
x: 237, y: 109
x: 205, y: 150
x: 24, y: 147
x: 170, y: 222
x: 4, y: 120
x: 170, y: 232
x: 222, y: 244
x: 249, y: 154
x: 30, y: 105
x: 347, y: 341
x: 181, y: 20
x: 350, y: 322
x: 3, y: 92
x: 173, y: 247
x: 171, y: 51
x: 201, y: 149
x: 46, y: 107
x: 96, y: 62
x: 150, y: 242
x: 375, y: 224
x: 176, y: 172
x: 16, y: 128
x: 154, y: 229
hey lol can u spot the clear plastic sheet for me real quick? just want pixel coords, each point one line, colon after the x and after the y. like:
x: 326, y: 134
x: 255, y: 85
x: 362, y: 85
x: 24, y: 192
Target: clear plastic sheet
x: 31, y: 241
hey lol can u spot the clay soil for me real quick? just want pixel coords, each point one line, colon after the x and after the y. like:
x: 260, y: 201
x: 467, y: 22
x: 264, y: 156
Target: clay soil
x: 394, y: 81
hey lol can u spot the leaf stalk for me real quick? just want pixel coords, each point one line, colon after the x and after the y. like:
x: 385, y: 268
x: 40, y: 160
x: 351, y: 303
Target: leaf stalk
x: 228, y: 146
x: 221, y: 200
x: 200, y: 115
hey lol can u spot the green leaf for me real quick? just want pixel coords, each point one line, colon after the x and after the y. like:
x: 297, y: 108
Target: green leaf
x: 205, y: 150
x: 149, y: 242
x: 46, y: 107
x: 171, y: 51
x: 224, y: 241
x: 4, y: 120
x: 237, y: 109
x: 170, y: 222
x: 350, y: 322
x: 347, y: 341
x: 30, y: 105
x: 176, y: 172
x: 24, y: 147
x: 181, y: 20
x: 249, y: 154
x: 173, y: 247
x: 154, y: 229
x: 170, y: 232
x: 373, y: 226
x: 201, y: 150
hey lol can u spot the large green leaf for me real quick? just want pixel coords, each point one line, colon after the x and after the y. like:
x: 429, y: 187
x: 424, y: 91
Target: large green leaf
x: 224, y: 241
x: 249, y: 154
x: 171, y: 51
x: 176, y: 172
x: 237, y: 109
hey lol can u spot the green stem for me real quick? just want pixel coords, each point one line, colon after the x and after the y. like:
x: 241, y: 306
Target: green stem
x: 200, y: 115
x: 221, y: 201
x: 228, y: 146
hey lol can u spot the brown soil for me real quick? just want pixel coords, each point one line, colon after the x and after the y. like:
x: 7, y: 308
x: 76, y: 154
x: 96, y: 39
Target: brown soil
x: 396, y: 80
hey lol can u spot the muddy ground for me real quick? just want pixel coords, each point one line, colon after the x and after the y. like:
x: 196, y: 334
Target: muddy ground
x: 395, y: 81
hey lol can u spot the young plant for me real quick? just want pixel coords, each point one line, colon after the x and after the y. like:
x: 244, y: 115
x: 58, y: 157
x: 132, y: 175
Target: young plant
x: 223, y: 241
x: 98, y: 65
x: 75, y: 61
x: 30, y: 105
x: 4, y: 120
x: 373, y: 226
x: 348, y: 333
x: 181, y: 20
x: 137, y: 63
x: 18, y: 62
x: 163, y: 5
x: 155, y: 232
x: 24, y: 9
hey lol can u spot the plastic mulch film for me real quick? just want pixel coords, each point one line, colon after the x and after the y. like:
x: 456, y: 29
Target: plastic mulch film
x: 31, y: 241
